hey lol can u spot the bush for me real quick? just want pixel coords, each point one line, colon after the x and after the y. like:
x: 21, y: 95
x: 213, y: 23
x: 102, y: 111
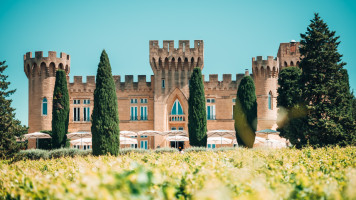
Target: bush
x: 226, y: 149
x: 66, y: 152
x: 32, y: 154
x: 36, y: 154
x: 125, y: 151
x: 196, y: 149
x: 166, y: 150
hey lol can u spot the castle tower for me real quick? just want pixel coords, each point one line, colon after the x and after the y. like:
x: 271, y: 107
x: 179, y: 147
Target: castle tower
x: 41, y: 74
x: 288, y: 54
x: 172, y: 68
x: 265, y: 75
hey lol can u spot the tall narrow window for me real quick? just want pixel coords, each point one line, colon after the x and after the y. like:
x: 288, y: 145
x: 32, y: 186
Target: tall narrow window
x: 133, y: 113
x: 210, y: 112
x: 86, y: 114
x: 44, y: 106
x: 143, y: 112
x: 270, y: 101
x: 163, y: 83
x: 143, y: 144
x: 76, y: 114
x: 177, y: 108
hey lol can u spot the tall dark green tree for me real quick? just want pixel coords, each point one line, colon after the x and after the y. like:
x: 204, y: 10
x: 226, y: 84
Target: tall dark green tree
x: 105, y: 116
x: 60, y: 111
x: 291, y: 112
x: 325, y: 87
x: 10, y: 128
x: 197, y: 111
x: 245, y: 113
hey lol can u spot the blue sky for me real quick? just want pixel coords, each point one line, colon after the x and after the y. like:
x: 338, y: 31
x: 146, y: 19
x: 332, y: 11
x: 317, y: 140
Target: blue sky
x: 233, y: 33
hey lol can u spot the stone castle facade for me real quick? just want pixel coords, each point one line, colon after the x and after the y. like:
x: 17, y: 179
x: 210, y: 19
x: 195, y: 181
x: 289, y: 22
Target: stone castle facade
x: 162, y: 103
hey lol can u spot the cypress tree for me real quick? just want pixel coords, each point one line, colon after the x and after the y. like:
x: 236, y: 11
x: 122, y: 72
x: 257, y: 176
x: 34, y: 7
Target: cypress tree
x: 325, y: 87
x: 105, y: 116
x: 197, y: 110
x: 60, y: 111
x: 291, y: 111
x: 245, y: 113
x: 10, y: 128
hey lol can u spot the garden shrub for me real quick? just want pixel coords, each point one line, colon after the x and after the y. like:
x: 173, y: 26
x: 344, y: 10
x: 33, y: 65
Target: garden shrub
x: 195, y: 149
x: 166, y: 150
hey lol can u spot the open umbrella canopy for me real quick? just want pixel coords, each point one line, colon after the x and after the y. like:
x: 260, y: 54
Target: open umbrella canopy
x: 267, y: 131
x: 177, y: 138
x: 78, y: 135
x: 128, y: 133
x: 149, y: 133
x: 219, y: 140
x: 125, y: 140
x: 36, y: 135
x: 88, y: 141
x: 82, y: 141
x: 175, y: 132
x: 221, y: 133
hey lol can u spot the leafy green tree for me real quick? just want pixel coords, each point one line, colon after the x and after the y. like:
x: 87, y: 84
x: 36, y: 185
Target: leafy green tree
x: 354, y: 107
x: 291, y: 111
x: 325, y: 87
x: 60, y: 111
x: 10, y: 128
x: 197, y: 111
x: 245, y: 113
x: 105, y: 116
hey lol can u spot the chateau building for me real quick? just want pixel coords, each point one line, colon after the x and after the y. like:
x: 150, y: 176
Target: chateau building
x: 162, y: 103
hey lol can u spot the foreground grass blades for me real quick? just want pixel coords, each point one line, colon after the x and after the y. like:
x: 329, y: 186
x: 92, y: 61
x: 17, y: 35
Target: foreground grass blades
x: 328, y: 173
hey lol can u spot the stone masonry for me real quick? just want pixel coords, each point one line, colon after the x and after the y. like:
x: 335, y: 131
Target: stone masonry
x: 172, y: 68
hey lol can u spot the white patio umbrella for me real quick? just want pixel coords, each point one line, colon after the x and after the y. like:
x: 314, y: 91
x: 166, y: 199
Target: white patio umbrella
x: 149, y: 133
x: 128, y: 133
x: 36, y: 135
x: 126, y: 140
x: 219, y: 140
x: 220, y: 133
x: 177, y: 138
x: 175, y: 133
x: 81, y: 142
x: 79, y: 135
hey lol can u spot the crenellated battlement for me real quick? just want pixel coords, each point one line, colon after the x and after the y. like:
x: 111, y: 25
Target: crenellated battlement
x: 45, y: 66
x: 170, y: 58
x: 289, y: 54
x: 89, y: 86
x: 225, y: 84
x: 268, y: 67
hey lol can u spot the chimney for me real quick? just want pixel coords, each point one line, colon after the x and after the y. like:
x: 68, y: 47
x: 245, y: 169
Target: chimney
x: 247, y: 73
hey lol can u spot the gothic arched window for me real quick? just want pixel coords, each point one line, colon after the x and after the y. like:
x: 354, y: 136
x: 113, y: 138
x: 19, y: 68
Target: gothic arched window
x: 44, y: 106
x: 177, y: 108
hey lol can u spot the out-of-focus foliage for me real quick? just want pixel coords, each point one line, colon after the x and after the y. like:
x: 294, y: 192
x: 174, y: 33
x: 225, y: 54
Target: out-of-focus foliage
x: 324, y: 173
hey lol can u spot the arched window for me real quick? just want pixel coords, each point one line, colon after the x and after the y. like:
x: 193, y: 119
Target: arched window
x: 44, y: 106
x: 270, y: 101
x: 177, y: 108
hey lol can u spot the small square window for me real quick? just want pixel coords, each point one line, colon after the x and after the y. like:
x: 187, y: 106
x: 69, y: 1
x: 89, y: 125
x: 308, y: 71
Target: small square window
x: 133, y: 100
x: 234, y: 100
x: 143, y: 100
x: 212, y: 100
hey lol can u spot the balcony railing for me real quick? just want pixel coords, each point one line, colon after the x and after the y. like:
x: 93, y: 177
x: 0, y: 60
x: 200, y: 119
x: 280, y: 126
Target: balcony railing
x: 211, y: 117
x: 176, y: 118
